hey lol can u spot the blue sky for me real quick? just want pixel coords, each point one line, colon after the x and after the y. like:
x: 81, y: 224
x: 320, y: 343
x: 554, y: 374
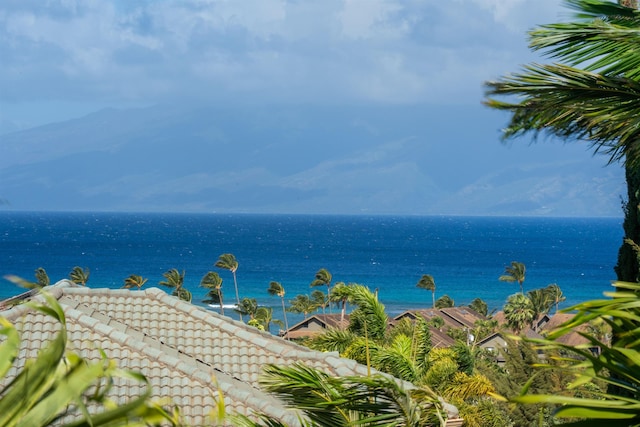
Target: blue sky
x: 68, y: 58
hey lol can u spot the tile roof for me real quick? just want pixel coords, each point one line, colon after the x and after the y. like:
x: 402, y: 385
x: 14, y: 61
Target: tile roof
x: 182, y: 349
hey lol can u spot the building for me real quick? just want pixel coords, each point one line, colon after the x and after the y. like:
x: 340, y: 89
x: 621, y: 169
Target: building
x: 186, y: 352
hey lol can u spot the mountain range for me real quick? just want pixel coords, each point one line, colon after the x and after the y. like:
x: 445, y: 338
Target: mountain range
x: 404, y: 160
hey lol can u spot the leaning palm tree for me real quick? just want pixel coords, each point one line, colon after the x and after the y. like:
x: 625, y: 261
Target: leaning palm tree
x: 247, y: 307
x: 591, y: 93
x: 134, y: 281
x: 229, y: 262
x: 276, y: 288
x: 514, y: 273
x: 175, y: 280
x: 427, y: 282
x: 323, y: 278
x: 264, y: 318
x: 79, y: 275
x: 212, y: 281
x: 42, y: 278
x: 555, y: 293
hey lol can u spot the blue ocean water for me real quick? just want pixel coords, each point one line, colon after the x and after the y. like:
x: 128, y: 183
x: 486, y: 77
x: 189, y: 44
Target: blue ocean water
x: 465, y: 255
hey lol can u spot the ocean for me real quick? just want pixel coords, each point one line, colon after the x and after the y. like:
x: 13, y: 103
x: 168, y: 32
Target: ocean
x: 465, y: 255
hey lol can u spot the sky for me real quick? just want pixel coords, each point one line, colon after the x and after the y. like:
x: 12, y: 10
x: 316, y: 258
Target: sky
x: 64, y: 59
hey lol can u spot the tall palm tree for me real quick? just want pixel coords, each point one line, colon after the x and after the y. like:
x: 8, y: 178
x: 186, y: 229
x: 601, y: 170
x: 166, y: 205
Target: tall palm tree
x: 175, y: 280
x: 518, y: 312
x: 276, y: 289
x: 591, y: 93
x: 514, y: 273
x: 42, y: 278
x: 302, y: 304
x: 229, y: 262
x: 323, y: 278
x: 134, y: 281
x: 427, y: 282
x: 212, y: 281
x: 79, y: 276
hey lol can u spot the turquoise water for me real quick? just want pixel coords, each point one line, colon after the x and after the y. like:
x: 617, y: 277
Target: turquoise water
x: 465, y: 255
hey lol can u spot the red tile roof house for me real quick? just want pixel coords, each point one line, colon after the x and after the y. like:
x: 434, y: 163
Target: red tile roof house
x: 185, y: 351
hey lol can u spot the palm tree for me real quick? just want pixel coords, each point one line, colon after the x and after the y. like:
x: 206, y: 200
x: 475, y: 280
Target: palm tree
x: 302, y: 304
x: 276, y: 289
x: 514, y: 273
x: 175, y: 280
x: 247, y: 307
x: 444, y: 301
x: 427, y: 282
x: 319, y: 299
x: 134, y: 281
x: 555, y: 293
x: 342, y: 295
x: 42, y: 278
x: 229, y: 262
x: 79, y: 276
x: 518, y: 312
x: 212, y: 281
x: 479, y: 306
x: 541, y: 301
x: 328, y: 401
x: 591, y: 93
x: 615, y: 364
x: 264, y: 317
x: 369, y: 318
x: 323, y: 278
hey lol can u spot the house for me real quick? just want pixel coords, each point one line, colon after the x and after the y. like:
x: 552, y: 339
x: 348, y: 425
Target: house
x: 186, y: 352
x: 316, y: 324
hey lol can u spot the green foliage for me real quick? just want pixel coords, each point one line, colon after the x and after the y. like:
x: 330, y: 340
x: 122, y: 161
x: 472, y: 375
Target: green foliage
x: 42, y: 278
x: 479, y: 306
x: 213, y: 282
x: 519, y: 312
x: 247, y: 307
x: 276, y: 288
x: 134, y: 281
x: 60, y: 383
x: 302, y: 304
x: 445, y: 301
x: 229, y: 262
x: 617, y: 364
x: 328, y: 401
x: 427, y: 282
x: 369, y: 319
x: 175, y: 280
x: 514, y: 273
x: 79, y: 275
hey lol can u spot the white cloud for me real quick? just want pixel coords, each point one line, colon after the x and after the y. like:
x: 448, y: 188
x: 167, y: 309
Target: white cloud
x: 341, y: 51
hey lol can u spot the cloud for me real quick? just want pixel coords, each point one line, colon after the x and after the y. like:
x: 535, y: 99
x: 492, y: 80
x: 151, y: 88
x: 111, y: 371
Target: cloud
x: 268, y: 51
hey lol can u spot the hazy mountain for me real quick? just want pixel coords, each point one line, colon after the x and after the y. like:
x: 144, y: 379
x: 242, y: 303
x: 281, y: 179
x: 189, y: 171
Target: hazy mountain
x: 399, y: 160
